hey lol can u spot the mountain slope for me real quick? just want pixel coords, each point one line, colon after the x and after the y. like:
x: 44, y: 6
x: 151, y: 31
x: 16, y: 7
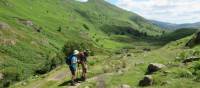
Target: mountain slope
x: 33, y: 32
x: 171, y: 26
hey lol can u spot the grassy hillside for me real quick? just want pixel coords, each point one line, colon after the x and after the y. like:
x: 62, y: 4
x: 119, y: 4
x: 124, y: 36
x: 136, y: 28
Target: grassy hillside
x: 129, y: 67
x: 175, y: 74
x: 33, y: 32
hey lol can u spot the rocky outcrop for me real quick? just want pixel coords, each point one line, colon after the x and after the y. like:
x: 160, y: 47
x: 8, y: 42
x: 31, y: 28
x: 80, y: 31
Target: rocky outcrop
x: 191, y: 59
x: 194, y: 41
x: 153, y: 67
x: 146, y: 81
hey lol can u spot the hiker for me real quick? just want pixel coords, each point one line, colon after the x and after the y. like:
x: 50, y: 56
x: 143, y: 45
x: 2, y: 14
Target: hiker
x: 72, y: 62
x: 83, y: 62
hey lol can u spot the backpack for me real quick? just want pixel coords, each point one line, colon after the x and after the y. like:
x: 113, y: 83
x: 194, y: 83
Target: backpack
x: 68, y: 60
x: 83, y: 56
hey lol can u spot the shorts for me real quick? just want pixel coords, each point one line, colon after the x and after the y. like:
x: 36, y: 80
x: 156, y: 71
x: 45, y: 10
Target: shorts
x: 73, y: 70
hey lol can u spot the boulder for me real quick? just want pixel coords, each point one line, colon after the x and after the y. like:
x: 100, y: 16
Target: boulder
x: 146, y: 81
x: 129, y: 55
x: 4, y: 25
x: 146, y: 49
x: 191, y: 59
x: 153, y: 67
x: 25, y: 22
x: 1, y: 76
x: 125, y: 86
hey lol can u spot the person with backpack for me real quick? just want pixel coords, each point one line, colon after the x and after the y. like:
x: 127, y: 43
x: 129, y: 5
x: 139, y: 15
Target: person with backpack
x: 83, y: 61
x: 72, y: 62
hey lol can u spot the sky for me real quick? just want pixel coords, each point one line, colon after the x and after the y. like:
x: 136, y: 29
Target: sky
x: 82, y: 0
x: 173, y: 11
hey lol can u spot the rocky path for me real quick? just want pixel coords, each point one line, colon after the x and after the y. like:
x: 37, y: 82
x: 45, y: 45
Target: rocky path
x: 98, y: 78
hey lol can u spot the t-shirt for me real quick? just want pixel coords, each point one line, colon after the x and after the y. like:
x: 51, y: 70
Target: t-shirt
x: 73, y: 61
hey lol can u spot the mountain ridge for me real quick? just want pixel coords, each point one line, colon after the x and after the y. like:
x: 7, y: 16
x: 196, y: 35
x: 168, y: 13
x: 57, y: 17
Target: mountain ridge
x: 172, y: 26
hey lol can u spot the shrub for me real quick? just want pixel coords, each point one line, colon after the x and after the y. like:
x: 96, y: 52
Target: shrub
x: 86, y: 27
x: 11, y: 74
x: 92, y: 53
x: 59, y: 29
x: 185, y: 74
x: 196, y: 70
x: 73, y: 45
x: 91, y: 63
x: 197, y: 74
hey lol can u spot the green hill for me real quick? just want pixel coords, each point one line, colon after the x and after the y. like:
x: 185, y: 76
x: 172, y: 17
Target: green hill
x: 33, y: 32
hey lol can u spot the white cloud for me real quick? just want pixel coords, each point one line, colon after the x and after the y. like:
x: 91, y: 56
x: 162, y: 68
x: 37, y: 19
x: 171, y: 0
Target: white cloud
x: 175, y: 11
x: 82, y: 0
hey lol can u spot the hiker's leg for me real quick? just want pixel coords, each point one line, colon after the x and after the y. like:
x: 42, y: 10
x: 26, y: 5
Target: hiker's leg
x: 84, y: 71
x: 82, y: 66
x: 73, y: 72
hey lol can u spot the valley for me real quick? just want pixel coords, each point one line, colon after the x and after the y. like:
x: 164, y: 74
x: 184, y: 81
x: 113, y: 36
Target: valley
x: 35, y: 35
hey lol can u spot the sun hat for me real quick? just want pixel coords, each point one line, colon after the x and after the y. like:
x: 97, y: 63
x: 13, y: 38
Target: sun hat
x: 76, y: 52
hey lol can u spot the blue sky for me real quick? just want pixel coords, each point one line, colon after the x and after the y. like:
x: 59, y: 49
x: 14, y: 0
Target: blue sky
x: 173, y: 11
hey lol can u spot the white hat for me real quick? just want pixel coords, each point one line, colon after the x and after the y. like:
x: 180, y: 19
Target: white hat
x: 76, y: 52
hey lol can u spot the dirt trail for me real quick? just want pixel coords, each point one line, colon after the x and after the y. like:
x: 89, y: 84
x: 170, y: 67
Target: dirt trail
x: 98, y: 78
x: 59, y: 76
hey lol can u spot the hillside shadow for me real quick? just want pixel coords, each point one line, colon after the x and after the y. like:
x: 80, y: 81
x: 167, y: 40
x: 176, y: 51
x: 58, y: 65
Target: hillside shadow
x: 177, y: 34
x: 66, y: 83
x: 143, y: 36
x: 132, y: 34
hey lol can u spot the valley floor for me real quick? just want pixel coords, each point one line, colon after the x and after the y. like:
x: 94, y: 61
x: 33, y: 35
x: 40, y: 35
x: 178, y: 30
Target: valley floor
x: 122, y: 69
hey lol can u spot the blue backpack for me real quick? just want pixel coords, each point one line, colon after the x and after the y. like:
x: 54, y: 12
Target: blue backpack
x: 68, y: 60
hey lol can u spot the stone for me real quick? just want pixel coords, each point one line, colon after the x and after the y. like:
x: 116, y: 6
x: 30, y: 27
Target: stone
x: 1, y: 76
x: 125, y: 86
x: 146, y: 81
x: 4, y: 26
x: 129, y: 55
x: 191, y: 59
x: 146, y: 49
x: 25, y: 22
x: 10, y: 42
x: 153, y: 67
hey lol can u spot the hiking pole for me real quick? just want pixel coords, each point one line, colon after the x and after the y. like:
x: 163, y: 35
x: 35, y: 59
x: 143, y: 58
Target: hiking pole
x: 77, y: 72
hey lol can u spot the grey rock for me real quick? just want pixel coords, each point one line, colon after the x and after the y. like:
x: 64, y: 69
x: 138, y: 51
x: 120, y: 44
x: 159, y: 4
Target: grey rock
x: 4, y: 26
x: 191, y: 59
x: 153, y: 67
x: 1, y: 76
x: 125, y: 86
x: 146, y: 81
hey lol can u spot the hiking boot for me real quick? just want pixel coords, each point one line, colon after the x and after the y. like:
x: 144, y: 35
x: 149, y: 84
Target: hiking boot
x: 77, y: 80
x: 83, y: 78
x: 73, y: 83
